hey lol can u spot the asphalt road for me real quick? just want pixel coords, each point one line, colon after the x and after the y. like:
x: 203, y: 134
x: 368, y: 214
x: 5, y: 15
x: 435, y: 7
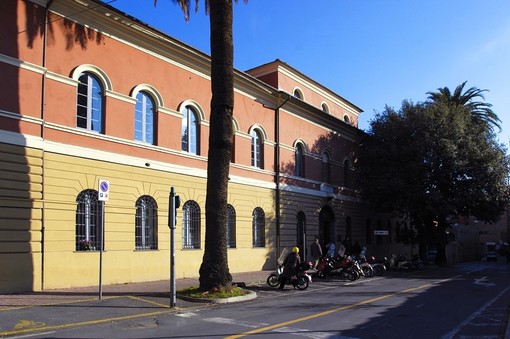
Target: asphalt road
x: 466, y: 301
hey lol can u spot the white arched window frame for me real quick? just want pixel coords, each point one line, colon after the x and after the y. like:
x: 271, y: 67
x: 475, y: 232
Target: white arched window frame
x: 192, y: 115
x: 92, y: 84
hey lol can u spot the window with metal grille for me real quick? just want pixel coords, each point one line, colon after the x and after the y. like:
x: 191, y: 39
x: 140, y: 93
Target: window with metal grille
x: 259, y: 227
x: 90, y: 103
x: 146, y: 223
x: 190, y: 225
x: 190, y: 130
x: 144, y: 118
x: 88, y: 221
x: 231, y: 226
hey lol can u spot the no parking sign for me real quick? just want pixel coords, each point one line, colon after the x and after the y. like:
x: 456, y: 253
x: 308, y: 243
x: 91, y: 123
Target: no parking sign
x: 104, y: 190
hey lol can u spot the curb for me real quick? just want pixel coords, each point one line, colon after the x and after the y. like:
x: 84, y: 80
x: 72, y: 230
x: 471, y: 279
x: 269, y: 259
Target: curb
x: 249, y: 296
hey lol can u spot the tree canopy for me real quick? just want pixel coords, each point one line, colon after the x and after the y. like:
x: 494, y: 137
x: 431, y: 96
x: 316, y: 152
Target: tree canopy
x: 434, y: 161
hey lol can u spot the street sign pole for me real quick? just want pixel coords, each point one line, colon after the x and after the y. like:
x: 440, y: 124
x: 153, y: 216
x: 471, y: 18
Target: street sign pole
x: 104, y: 195
x: 101, y: 244
x: 171, y: 224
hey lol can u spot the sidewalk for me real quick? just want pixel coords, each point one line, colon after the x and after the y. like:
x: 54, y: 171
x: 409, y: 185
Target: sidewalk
x: 59, y: 296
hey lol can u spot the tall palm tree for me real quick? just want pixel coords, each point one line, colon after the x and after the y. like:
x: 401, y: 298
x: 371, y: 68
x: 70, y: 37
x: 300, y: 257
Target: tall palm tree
x: 481, y: 112
x: 214, y: 271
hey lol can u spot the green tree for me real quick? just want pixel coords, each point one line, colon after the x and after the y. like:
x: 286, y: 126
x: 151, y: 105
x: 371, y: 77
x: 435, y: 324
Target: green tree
x: 481, y: 112
x: 431, y: 162
x: 214, y: 271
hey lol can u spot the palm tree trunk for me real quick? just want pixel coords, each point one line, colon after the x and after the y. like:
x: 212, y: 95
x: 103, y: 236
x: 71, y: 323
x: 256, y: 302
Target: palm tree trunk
x: 214, y: 271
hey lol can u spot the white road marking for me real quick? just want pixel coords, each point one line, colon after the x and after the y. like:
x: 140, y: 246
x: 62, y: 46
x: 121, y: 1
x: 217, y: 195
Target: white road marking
x: 457, y: 329
x: 219, y: 320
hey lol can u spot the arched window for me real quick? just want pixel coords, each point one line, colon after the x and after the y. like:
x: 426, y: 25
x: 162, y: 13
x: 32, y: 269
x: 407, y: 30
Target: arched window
x: 88, y: 221
x: 256, y: 149
x: 346, y: 119
x: 326, y: 167
x: 231, y: 226
x: 259, y: 227
x: 146, y: 223
x: 90, y: 107
x: 300, y: 160
x: 347, y: 173
x: 144, y: 118
x: 191, y: 225
x: 190, y: 135
x: 298, y: 94
x: 325, y: 107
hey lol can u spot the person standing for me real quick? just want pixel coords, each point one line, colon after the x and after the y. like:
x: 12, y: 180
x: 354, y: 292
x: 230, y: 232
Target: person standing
x: 290, y: 266
x: 316, y: 252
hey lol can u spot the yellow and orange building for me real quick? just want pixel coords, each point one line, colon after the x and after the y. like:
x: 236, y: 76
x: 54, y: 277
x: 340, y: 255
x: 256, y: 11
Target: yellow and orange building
x: 89, y: 93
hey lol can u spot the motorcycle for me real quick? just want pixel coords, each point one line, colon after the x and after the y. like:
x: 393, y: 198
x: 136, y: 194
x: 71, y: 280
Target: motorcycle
x: 379, y: 266
x: 366, y: 268
x: 301, y: 280
x: 345, y: 267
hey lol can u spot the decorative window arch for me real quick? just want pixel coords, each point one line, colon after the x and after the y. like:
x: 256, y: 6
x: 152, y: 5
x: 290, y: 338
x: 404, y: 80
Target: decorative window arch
x: 259, y: 227
x: 96, y: 71
x: 231, y: 226
x: 146, y: 223
x: 191, y: 225
x: 300, y: 160
x: 145, y: 118
x: 347, y: 119
x: 298, y: 93
x: 89, y: 211
x: 153, y: 92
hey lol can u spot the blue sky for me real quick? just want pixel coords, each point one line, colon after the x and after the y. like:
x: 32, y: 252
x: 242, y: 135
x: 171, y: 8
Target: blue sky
x: 371, y: 52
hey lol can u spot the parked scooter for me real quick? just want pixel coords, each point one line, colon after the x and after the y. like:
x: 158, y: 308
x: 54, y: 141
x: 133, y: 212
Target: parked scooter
x: 400, y: 262
x: 301, y: 281
x: 345, y: 267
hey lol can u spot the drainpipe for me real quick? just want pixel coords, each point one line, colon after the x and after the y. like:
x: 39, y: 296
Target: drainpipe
x: 43, y: 105
x: 277, y: 168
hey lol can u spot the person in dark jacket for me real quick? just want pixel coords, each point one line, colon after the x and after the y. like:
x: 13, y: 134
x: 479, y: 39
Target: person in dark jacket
x: 290, y: 267
x: 316, y: 251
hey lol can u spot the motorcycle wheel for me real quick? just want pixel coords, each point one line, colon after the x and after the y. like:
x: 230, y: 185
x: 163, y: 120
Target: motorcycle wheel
x: 353, y: 275
x: 302, y: 283
x: 368, y: 271
x: 273, y: 280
